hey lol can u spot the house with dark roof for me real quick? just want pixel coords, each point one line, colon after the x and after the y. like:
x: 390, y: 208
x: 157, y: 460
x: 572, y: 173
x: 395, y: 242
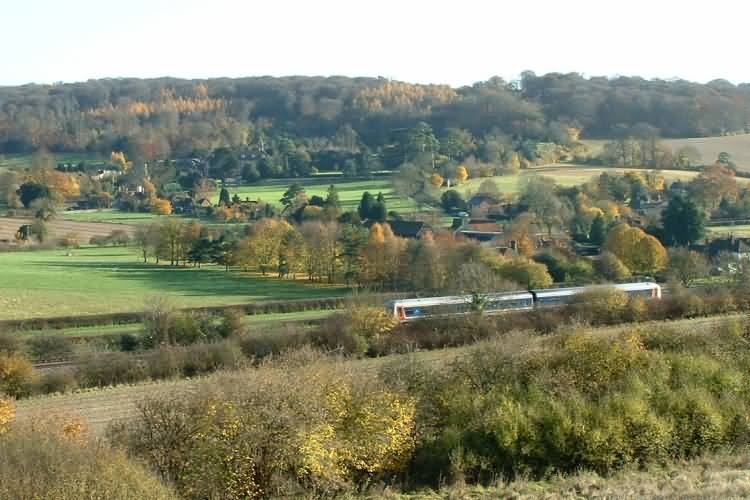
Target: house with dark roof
x: 738, y: 247
x: 409, y: 228
x: 480, y: 204
x: 477, y: 229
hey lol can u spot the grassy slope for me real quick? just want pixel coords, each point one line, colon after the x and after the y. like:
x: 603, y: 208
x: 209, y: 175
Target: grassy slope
x: 350, y: 192
x: 564, y: 175
x: 738, y: 146
x: 717, y: 476
x: 102, y: 280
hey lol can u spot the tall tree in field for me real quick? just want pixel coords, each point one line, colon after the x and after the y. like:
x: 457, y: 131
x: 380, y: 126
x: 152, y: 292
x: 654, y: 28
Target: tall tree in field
x: 382, y: 257
x: 224, y: 197
x: 263, y: 248
x: 289, y: 198
x: 322, y: 252
x: 422, y: 141
x: 683, y: 222
x: 540, y: 196
x: 365, y: 205
x: 352, y: 239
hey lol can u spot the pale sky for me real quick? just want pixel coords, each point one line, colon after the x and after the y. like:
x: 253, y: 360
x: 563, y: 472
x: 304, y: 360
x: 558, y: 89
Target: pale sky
x: 457, y: 42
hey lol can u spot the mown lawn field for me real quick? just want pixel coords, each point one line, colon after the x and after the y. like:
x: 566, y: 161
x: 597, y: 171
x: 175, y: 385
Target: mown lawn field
x: 350, y: 191
x: 105, y: 280
x: 740, y: 230
x: 21, y: 161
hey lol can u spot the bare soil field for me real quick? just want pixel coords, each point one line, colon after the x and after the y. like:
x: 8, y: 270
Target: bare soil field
x: 59, y: 228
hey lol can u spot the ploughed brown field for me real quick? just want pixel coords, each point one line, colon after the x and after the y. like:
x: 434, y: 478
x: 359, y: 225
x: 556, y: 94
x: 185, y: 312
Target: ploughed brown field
x: 59, y: 228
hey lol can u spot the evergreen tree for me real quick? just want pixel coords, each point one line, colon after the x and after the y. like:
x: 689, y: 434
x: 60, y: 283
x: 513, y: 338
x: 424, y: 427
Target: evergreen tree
x: 290, y: 195
x: 365, y: 205
x: 224, y: 197
x: 332, y: 199
x: 598, y: 231
x: 683, y: 222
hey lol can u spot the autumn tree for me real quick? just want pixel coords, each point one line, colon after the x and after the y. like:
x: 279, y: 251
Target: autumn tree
x: 161, y: 206
x: 263, y: 248
x: 382, y: 257
x: 322, y: 253
x: 687, y: 265
x: 640, y: 252
x: 610, y: 267
x: 715, y: 183
x: 539, y: 195
x: 462, y: 174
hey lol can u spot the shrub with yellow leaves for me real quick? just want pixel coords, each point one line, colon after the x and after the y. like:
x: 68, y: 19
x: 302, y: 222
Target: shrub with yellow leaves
x: 7, y: 414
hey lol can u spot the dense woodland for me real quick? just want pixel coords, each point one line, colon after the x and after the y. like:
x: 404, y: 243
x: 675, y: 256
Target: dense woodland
x: 362, y: 120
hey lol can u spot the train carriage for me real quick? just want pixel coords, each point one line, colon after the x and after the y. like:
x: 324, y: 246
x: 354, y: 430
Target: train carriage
x: 496, y: 303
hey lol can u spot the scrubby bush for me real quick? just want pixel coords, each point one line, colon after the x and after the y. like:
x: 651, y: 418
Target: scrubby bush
x: 9, y: 343
x: 37, y: 462
x: 48, y: 348
x: 7, y: 414
x: 357, y: 329
x: 17, y: 375
x: 282, y: 433
x: 263, y: 343
x: 601, y: 305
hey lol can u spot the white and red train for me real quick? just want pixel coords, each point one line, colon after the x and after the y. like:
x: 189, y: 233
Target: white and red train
x: 412, y: 309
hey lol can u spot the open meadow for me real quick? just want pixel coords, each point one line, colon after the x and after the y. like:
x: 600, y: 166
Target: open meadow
x: 350, y: 191
x: 22, y: 161
x: 107, y: 280
x: 564, y: 175
x: 738, y: 146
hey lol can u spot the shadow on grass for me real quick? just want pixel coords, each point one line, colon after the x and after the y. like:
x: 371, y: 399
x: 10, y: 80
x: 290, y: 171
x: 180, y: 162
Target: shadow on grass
x: 203, y: 282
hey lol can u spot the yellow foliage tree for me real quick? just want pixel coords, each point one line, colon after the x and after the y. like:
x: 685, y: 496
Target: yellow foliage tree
x: 436, y: 179
x: 7, y: 414
x: 263, y: 249
x: 16, y: 374
x: 365, y: 434
x: 640, y: 252
x: 161, y: 206
x: 149, y: 190
x: 462, y: 174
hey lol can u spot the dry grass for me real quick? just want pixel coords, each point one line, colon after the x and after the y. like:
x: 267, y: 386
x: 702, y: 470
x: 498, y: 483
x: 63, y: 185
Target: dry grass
x: 718, y: 476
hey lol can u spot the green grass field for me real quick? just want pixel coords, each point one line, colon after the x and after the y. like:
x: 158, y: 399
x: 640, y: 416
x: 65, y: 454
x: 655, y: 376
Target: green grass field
x: 106, y: 280
x: 18, y: 162
x: 350, y: 191
x: 742, y: 230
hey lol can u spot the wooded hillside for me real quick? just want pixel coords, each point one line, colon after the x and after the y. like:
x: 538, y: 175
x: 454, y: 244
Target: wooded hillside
x: 165, y: 117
